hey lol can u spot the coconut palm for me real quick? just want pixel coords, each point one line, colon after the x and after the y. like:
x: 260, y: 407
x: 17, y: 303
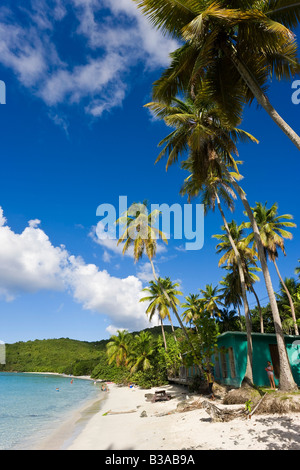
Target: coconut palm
x: 158, y: 302
x: 284, y: 302
x: 139, y: 232
x: 118, y: 348
x: 228, y: 320
x: 214, y: 189
x: 247, y: 255
x: 230, y: 51
x: 231, y: 295
x: 210, y: 142
x: 192, y: 307
x: 211, y: 300
x: 141, y: 353
x: 273, y: 231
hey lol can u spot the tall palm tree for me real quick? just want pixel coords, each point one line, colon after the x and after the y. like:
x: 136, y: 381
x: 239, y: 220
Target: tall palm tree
x: 273, y: 231
x: 231, y: 295
x: 284, y: 302
x: 139, y: 232
x: 210, y: 142
x: 214, y: 189
x: 118, y: 348
x: 191, y: 308
x: 230, y: 51
x: 141, y: 353
x: 247, y: 255
x: 211, y: 300
x: 158, y: 302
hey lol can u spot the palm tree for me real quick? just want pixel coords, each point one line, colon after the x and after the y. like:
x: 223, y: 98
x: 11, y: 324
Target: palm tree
x: 141, y: 353
x: 215, y: 188
x: 228, y: 320
x: 139, y: 232
x: 211, y: 300
x: 247, y: 255
x: 210, y: 143
x: 231, y: 295
x: 192, y: 308
x: 118, y: 348
x: 273, y: 231
x: 159, y: 303
x: 284, y: 302
x: 229, y: 51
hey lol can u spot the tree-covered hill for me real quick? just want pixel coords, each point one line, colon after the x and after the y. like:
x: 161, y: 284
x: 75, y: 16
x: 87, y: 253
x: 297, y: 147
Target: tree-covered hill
x: 63, y: 355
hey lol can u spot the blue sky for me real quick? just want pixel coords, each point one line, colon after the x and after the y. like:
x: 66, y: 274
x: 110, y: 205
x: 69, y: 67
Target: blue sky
x: 74, y: 135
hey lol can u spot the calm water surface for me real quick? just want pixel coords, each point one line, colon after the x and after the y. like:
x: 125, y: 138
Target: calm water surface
x: 32, y: 406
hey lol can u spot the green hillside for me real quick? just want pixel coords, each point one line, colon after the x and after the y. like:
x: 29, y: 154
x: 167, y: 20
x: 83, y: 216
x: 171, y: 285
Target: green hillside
x: 64, y: 356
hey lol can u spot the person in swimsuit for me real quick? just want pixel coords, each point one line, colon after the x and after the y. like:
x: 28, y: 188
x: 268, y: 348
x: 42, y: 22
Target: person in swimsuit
x: 270, y: 372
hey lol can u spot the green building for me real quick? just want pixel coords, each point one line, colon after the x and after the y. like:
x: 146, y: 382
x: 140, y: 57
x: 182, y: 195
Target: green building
x: 231, y: 359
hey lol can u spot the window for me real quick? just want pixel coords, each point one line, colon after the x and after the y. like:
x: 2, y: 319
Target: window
x: 217, y: 366
x: 231, y: 363
x: 224, y: 365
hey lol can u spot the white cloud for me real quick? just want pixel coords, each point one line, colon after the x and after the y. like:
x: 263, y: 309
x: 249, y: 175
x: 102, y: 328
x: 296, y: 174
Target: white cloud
x: 145, y: 273
x: 102, y: 293
x: 113, y: 330
x: 114, y: 36
x: 29, y: 263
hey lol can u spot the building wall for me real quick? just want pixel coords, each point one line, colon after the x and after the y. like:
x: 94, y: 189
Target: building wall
x: 231, y: 358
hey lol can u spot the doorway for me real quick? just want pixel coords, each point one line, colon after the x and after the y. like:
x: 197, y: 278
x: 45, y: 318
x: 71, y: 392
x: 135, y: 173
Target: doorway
x: 275, y: 359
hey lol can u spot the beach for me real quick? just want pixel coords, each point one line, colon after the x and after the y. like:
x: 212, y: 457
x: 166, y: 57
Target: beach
x: 127, y: 419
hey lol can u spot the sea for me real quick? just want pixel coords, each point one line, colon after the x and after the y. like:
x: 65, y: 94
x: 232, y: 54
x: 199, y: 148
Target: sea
x: 32, y: 406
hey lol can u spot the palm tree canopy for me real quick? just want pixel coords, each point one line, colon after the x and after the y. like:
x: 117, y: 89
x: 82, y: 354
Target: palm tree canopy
x: 202, y: 132
x: 213, y: 34
x: 272, y: 228
x: 158, y: 302
x: 118, y: 348
x: 192, y: 307
x: 140, y: 231
x: 142, y: 352
x: 211, y: 299
x: 238, y: 234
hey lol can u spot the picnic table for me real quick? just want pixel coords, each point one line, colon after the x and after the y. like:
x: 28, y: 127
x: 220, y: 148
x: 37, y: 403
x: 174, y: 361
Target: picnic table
x: 160, y: 395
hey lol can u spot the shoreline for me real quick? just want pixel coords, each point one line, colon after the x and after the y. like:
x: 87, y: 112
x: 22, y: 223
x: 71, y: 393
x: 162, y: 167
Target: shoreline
x: 63, y: 437
x: 128, y: 420
x: 125, y: 418
x: 72, y: 422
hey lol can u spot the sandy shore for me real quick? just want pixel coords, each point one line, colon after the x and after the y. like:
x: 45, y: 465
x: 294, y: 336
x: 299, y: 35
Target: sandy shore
x: 128, y: 421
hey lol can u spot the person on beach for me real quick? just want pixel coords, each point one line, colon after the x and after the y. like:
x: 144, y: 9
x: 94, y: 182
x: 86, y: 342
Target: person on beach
x: 270, y: 372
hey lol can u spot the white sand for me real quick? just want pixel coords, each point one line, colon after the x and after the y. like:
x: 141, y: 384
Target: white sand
x: 127, y: 430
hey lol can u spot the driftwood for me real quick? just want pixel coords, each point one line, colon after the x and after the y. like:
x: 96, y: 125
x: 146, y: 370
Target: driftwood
x: 253, y: 411
x: 218, y: 415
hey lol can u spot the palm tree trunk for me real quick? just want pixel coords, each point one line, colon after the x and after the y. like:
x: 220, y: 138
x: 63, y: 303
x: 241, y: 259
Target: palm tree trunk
x: 286, y: 380
x: 239, y: 312
x: 248, y: 379
x: 261, y: 98
x: 289, y: 297
x: 197, y: 359
x: 259, y: 309
x: 163, y: 333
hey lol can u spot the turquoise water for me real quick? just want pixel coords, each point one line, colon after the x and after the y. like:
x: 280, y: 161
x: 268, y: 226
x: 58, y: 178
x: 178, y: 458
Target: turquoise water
x: 31, y: 407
